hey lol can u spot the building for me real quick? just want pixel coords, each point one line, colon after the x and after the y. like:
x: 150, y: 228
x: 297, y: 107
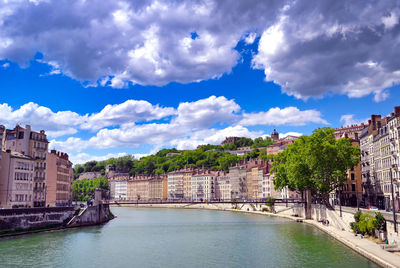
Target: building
x: 380, y: 154
x: 268, y: 189
x: 91, y: 175
x: 352, y: 131
x: 34, y: 144
x: 187, y: 183
x: 203, y: 186
x: 275, y: 135
x: 280, y: 144
x: 138, y: 188
x: 238, y: 179
x: 158, y: 188
x: 230, y: 140
x: 175, y: 184
x: 371, y: 190
x: 16, y: 180
x: 120, y: 187
x: 255, y: 176
x: 60, y: 176
x: 223, y: 187
x: 351, y: 191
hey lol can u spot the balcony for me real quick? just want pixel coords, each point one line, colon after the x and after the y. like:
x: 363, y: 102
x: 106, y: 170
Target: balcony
x: 40, y: 168
x: 39, y: 178
x: 40, y: 148
x: 40, y: 158
x: 38, y: 189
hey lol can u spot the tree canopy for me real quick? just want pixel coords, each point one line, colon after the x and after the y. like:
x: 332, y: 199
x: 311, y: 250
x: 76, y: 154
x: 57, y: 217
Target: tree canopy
x: 84, y: 189
x: 208, y: 156
x: 317, y: 162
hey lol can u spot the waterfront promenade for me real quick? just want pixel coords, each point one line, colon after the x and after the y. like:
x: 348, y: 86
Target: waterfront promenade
x: 363, y: 246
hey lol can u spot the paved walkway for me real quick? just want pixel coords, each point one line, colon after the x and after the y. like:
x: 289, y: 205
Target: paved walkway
x: 363, y: 246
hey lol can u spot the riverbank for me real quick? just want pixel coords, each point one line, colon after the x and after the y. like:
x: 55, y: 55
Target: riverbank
x: 17, y: 222
x: 365, y: 247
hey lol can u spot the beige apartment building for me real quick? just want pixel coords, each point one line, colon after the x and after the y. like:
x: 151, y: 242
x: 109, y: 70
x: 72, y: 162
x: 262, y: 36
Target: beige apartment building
x: 60, y: 178
x: 138, y: 188
x: 16, y: 180
x: 34, y: 144
x: 158, y: 188
x: 187, y: 183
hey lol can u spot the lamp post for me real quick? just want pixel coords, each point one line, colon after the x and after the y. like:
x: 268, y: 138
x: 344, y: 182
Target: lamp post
x: 394, y: 208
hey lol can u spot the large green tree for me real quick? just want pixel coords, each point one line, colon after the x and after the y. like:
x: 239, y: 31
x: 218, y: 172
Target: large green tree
x: 317, y: 162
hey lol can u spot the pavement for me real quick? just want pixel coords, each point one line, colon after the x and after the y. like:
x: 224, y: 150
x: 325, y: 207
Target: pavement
x: 365, y: 247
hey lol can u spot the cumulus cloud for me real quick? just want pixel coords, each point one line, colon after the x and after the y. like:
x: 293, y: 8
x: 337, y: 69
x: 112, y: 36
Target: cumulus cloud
x: 309, y: 49
x: 286, y: 116
x: 120, y: 42
x: 129, y: 111
x: 5, y: 65
x: 348, y: 119
x: 213, y: 136
x: 134, y: 123
x: 40, y: 117
x: 84, y: 157
x: 206, y: 112
x: 333, y: 46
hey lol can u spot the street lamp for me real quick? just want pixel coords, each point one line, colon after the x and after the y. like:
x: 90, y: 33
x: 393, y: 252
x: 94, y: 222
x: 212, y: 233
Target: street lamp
x: 394, y: 208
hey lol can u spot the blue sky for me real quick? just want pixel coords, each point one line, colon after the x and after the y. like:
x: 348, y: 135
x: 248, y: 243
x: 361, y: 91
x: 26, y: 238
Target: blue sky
x: 164, y: 74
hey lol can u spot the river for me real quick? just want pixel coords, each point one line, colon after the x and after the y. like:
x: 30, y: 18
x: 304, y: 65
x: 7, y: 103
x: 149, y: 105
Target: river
x: 153, y: 237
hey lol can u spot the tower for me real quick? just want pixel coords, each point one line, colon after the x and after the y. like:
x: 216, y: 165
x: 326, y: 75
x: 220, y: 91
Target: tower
x: 275, y: 135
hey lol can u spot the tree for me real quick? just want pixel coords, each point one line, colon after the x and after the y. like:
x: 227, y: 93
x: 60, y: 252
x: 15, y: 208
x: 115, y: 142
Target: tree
x: 318, y: 163
x: 83, y: 189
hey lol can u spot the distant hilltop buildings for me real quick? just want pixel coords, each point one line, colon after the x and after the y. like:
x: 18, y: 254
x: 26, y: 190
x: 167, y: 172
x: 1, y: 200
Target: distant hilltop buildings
x: 30, y: 176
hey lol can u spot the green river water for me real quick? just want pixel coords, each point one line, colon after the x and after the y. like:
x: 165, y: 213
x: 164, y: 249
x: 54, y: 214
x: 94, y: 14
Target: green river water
x: 154, y: 237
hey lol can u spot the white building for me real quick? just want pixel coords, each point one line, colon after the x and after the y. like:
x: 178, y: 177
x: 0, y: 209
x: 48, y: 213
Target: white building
x: 176, y: 185
x: 120, y: 190
x: 223, y: 188
x: 203, y: 187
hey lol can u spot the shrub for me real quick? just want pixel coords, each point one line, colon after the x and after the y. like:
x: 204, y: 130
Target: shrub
x: 357, y: 216
x: 366, y: 225
x: 380, y: 222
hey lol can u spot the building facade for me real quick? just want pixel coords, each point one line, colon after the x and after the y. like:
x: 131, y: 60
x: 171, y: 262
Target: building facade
x: 223, y: 187
x: 60, y: 176
x: 34, y: 144
x: 16, y: 180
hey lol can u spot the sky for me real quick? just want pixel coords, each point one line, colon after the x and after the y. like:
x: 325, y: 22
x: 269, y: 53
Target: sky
x: 111, y: 78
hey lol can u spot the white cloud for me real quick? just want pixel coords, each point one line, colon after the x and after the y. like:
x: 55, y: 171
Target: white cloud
x: 250, y: 38
x: 129, y: 111
x: 332, y: 50
x: 133, y: 124
x: 287, y: 116
x: 213, y: 136
x: 142, y: 42
x: 6, y: 65
x: 84, y: 157
x: 348, y: 119
x: 206, y: 112
x: 40, y: 117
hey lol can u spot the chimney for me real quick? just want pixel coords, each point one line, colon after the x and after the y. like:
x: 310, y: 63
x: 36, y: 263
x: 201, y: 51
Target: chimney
x: 397, y: 110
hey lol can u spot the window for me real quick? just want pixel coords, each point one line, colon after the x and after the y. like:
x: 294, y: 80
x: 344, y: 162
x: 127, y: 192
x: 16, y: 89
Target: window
x: 353, y: 187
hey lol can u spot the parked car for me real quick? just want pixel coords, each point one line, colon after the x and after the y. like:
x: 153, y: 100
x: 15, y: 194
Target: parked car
x: 373, y: 208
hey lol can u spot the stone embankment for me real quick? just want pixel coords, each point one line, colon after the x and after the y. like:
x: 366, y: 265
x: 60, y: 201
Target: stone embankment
x: 338, y: 228
x: 24, y: 221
